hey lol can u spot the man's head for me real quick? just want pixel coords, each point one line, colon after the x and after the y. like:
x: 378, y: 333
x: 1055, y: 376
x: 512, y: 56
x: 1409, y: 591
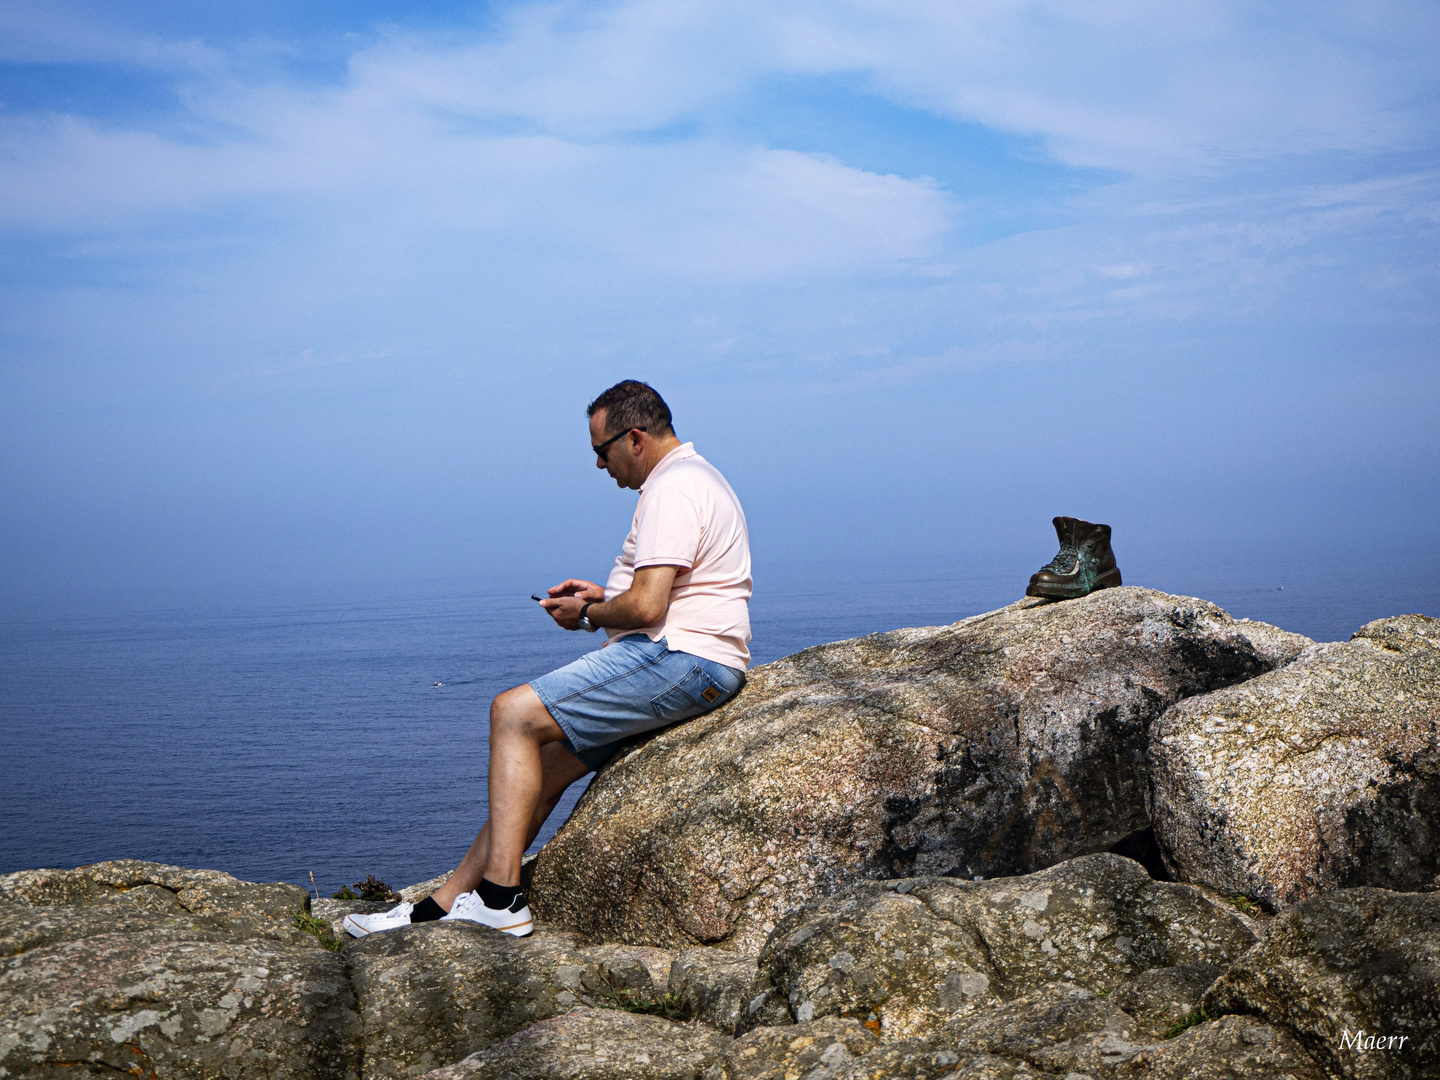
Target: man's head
x: 630, y: 431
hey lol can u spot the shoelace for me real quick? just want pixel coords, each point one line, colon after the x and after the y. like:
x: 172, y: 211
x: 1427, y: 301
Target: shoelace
x: 1065, y: 560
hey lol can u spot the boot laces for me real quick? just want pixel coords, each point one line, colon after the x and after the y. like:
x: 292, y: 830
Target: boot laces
x: 1065, y: 561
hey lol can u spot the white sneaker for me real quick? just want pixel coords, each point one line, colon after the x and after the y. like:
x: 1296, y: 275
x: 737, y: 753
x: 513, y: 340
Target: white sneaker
x: 513, y: 920
x: 360, y: 925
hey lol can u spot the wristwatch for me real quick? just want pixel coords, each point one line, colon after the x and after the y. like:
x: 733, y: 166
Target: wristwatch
x: 586, y: 624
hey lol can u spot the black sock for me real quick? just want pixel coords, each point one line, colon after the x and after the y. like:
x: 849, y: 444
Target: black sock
x: 497, y: 896
x: 426, y: 910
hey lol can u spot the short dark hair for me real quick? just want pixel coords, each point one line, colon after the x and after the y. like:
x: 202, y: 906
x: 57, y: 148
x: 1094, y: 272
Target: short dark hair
x: 632, y: 404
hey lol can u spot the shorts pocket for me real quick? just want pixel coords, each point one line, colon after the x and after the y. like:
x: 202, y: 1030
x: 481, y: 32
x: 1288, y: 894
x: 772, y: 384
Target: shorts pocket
x: 696, y: 693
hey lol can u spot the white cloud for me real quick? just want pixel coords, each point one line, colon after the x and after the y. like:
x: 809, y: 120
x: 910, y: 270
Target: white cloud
x: 527, y: 148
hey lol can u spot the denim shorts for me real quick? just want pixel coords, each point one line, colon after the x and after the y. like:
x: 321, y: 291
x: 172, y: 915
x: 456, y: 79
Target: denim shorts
x: 610, y: 697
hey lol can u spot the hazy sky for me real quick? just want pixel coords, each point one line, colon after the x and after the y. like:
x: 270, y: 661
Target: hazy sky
x: 296, y: 292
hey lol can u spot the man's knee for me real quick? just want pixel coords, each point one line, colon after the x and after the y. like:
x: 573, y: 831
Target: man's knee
x: 519, y: 711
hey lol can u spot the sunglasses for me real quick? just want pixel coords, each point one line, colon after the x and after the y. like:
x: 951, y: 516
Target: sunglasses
x: 603, y: 450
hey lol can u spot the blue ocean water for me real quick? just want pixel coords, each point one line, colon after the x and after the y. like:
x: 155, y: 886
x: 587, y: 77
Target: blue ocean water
x: 305, y: 735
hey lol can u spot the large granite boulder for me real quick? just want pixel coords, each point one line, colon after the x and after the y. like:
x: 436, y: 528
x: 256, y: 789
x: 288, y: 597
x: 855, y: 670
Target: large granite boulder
x: 1321, y: 775
x: 1002, y: 744
x: 595, y: 1044
x: 138, y: 968
x: 913, y: 954
x: 1355, y: 976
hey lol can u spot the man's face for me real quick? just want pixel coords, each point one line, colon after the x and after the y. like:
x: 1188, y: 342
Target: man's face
x: 619, y: 460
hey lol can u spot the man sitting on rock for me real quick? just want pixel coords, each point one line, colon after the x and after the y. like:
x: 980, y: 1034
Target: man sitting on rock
x: 677, y: 616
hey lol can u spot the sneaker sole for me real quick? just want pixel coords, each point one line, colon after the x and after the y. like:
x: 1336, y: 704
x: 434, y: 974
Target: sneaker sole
x: 519, y: 929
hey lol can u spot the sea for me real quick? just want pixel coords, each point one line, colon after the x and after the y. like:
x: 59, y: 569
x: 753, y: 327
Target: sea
x: 331, y: 733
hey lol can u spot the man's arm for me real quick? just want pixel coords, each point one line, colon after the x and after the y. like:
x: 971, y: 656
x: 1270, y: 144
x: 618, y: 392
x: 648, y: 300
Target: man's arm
x: 643, y: 604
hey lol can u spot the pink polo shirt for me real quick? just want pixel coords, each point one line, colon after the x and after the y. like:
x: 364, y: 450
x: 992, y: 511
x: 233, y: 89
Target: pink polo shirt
x: 689, y: 517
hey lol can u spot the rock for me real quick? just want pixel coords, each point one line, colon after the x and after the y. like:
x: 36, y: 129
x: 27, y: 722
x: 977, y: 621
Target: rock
x: 917, y: 953
x: 417, y: 892
x: 1321, y: 775
x: 433, y: 993
x: 333, y: 912
x: 1002, y: 744
x: 177, y: 1002
x: 130, y: 965
x: 1160, y: 998
x: 1354, y: 975
x: 914, y: 1059
x: 594, y: 1044
x: 771, y: 1053
x: 657, y: 962
x: 1231, y: 1048
x: 725, y: 991
x: 1060, y: 1028
x: 127, y: 894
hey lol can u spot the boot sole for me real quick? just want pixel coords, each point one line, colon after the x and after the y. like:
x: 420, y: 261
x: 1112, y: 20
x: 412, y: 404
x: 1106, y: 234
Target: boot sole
x: 1108, y: 580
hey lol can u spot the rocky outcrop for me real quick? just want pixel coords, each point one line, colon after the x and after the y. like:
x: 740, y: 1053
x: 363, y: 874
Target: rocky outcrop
x: 434, y: 993
x: 911, y: 955
x: 128, y: 966
x: 843, y: 838
x: 1059, y: 1031
x: 1088, y: 968
x: 1355, y: 975
x: 1321, y: 775
x: 1002, y: 744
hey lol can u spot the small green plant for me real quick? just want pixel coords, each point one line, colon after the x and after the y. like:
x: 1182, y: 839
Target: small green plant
x: 372, y: 888
x: 1186, y: 1022
x: 344, y: 893
x: 1243, y: 903
x: 669, y: 1006
x: 318, y: 928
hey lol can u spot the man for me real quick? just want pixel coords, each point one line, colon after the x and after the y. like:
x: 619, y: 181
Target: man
x: 677, y: 619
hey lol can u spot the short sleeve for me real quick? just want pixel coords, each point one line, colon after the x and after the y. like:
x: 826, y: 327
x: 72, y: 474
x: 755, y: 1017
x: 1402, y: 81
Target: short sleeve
x: 668, y: 530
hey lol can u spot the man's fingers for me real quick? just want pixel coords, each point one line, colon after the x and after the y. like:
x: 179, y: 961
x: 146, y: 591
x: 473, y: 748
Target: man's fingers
x: 577, y: 587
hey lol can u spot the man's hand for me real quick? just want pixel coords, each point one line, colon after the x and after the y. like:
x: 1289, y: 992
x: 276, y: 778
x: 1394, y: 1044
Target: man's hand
x: 643, y: 604
x: 567, y: 598
x: 586, y: 590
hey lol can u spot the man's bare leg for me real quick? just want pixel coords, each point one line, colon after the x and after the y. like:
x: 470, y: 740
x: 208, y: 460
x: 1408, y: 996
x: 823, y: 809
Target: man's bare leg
x: 520, y: 728
x: 559, y: 768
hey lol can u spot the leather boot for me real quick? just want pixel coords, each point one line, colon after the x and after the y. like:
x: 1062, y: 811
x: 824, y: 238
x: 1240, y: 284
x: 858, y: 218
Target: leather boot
x: 1083, y: 564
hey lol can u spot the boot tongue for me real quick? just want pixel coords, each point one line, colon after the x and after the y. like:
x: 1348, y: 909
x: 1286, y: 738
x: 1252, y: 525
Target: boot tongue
x: 1064, y: 562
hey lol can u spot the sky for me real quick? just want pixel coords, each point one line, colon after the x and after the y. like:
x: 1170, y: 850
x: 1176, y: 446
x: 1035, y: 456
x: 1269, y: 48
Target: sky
x: 296, y: 293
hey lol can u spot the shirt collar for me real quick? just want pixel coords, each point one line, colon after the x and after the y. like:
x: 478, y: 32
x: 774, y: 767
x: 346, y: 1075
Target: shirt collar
x: 680, y: 453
